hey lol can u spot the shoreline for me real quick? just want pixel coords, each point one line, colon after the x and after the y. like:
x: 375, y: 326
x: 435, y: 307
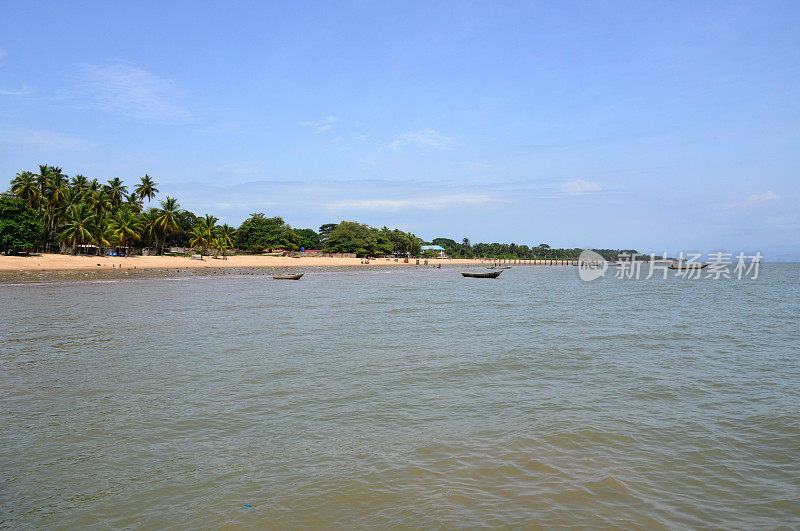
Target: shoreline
x: 58, y: 267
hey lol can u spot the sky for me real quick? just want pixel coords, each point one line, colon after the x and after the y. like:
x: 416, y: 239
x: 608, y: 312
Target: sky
x: 656, y: 126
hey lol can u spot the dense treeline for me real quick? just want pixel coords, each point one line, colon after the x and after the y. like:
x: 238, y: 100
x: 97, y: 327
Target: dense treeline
x: 49, y: 211
x: 465, y: 249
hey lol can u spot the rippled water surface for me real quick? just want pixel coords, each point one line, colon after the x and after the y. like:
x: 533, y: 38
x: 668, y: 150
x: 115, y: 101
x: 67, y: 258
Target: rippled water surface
x: 402, y: 398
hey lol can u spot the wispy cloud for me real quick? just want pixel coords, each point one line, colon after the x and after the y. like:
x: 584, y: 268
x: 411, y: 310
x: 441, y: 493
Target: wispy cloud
x: 420, y: 203
x: 472, y: 165
x: 579, y: 186
x: 754, y: 199
x: 235, y: 169
x: 44, y: 139
x: 132, y: 92
x: 322, y: 125
x: 19, y: 92
x: 427, y: 138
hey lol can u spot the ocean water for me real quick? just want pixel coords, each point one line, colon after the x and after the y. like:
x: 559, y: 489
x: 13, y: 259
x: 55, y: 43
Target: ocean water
x: 402, y: 398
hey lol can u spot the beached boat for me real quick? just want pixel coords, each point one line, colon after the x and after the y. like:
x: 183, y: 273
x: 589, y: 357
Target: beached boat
x: 490, y: 274
x: 687, y: 266
x: 288, y: 277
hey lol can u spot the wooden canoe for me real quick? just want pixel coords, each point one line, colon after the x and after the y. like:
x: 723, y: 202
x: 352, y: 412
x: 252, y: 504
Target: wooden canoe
x: 688, y: 266
x: 288, y: 277
x: 490, y: 274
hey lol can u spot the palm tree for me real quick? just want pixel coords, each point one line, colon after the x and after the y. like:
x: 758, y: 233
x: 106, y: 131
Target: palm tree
x: 55, y: 199
x: 220, y: 245
x: 98, y: 200
x: 198, y: 239
x: 43, y: 176
x: 204, y: 232
x: 226, y: 232
x: 103, y: 235
x: 116, y: 190
x: 147, y: 188
x: 80, y: 182
x: 26, y: 188
x: 150, y: 230
x: 167, y: 221
x: 133, y: 202
x: 125, y: 227
x: 78, y: 228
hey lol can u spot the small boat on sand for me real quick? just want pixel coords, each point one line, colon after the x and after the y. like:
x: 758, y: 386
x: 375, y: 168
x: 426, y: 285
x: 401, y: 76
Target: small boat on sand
x: 288, y: 277
x: 489, y: 274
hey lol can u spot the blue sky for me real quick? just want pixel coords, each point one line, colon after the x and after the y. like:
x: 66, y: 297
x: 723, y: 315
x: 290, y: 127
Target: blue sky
x: 657, y: 126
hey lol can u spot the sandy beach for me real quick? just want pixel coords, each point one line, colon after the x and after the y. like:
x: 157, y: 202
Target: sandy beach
x: 49, y: 262
x: 67, y: 267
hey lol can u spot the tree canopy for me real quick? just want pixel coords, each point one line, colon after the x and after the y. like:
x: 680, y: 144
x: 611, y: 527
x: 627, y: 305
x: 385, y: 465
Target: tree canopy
x: 258, y: 232
x: 19, y: 226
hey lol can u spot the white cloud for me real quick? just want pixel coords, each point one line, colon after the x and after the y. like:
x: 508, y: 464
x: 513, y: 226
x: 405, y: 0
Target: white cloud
x: 579, y: 186
x: 426, y: 138
x: 422, y: 203
x: 366, y: 161
x: 19, y: 92
x: 754, y: 200
x: 322, y: 125
x: 44, y: 139
x: 235, y: 169
x: 472, y: 165
x: 132, y: 92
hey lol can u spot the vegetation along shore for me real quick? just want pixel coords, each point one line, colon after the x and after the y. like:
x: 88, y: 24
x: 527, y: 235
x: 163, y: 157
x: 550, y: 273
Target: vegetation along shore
x: 46, y: 211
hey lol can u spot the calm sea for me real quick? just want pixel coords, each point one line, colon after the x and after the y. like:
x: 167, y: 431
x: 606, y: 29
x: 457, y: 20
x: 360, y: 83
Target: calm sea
x: 402, y: 398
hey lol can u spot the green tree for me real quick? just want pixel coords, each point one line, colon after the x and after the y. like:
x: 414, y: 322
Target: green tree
x: 166, y: 220
x: 258, y: 232
x: 19, y: 225
x: 309, y: 239
x: 134, y: 202
x: 78, y: 227
x: 325, y: 230
x: 351, y: 237
x: 146, y: 188
x: 116, y: 191
x: 26, y: 188
x: 125, y: 227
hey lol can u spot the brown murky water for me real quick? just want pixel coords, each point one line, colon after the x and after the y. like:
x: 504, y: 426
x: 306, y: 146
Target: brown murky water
x: 401, y: 398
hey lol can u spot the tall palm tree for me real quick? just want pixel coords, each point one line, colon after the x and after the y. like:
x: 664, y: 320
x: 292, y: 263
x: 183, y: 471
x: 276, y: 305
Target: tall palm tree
x: 204, y: 232
x: 133, y: 202
x: 125, y: 227
x: 78, y: 227
x: 116, y: 190
x: 43, y: 176
x: 226, y: 232
x: 98, y: 200
x: 150, y: 230
x: 167, y: 221
x: 80, y: 182
x: 55, y: 199
x: 146, y: 188
x: 103, y: 235
x: 26, y: 188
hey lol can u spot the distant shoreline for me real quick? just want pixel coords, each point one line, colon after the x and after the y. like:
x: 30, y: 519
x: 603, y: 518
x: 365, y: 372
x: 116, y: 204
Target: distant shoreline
x: 61, y: 267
